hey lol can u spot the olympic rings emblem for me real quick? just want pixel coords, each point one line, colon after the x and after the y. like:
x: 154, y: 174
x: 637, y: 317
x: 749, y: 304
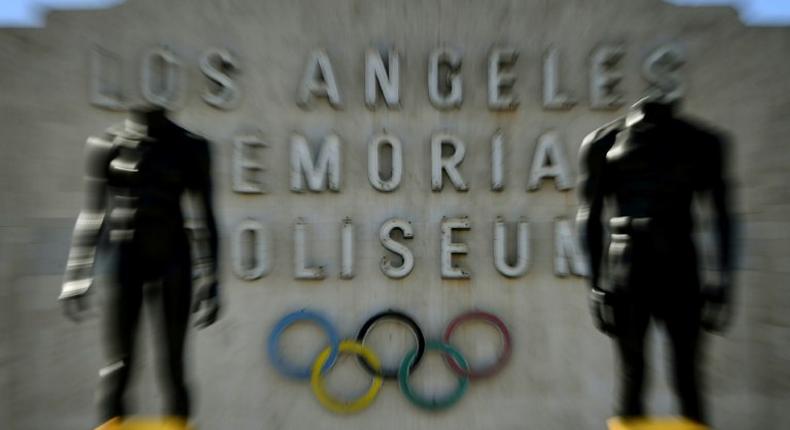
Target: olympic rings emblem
x: 371, y: 363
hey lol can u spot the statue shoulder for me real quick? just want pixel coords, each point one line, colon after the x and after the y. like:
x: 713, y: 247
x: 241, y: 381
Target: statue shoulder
x: 114, y: 130
x: 710, y: 140
x: 99, y: 150
x: 198, y: 150
x: 198, y: 145
x: 597, y: 143
x: 191, y: 138
x: 701, y: 129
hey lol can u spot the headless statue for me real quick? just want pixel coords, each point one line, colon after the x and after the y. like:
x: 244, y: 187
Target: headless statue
x: 646, y: 169
x: 136, y: 176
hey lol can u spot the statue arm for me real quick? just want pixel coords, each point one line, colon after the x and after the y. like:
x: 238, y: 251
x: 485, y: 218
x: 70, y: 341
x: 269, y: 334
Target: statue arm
x: 717, y: 310
x: 204, y: 227
x: 205, y: 239
x: 720, y: 199
x: 592, y: 160
x: 79, y: 266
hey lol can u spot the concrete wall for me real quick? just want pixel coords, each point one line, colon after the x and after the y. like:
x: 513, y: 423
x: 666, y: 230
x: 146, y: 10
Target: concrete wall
x: 561, y: 373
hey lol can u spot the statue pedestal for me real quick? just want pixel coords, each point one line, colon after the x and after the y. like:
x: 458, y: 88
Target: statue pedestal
x: 647, y: 423
x: 134, y: 423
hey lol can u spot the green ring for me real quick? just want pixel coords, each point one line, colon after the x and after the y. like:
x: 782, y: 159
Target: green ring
x: 433, y: 404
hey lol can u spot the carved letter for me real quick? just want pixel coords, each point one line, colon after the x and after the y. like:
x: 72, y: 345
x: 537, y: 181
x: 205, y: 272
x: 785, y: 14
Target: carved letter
x: 216, y: 64
x: 386, y: 77
x: 549, y: 162
x: 254, y: 263
x: 374, y: 151
x: 660, y: 70
x: 318, y: 81
x: 449, y: 248
x: 246, y: 168
x: 445, y: 90
x: 604, y: 79
x: 385, y: 233
x: 301, y: 270
x: 553, y: 98
x: 500, y: 80
x: 106, y: 80
x: 447, y: 164
x: 327, y: 165
x: 497, y: 162
x: 347, y: 249
x: 161, y: 89
x: 520, y: 267
x: 566, y: 248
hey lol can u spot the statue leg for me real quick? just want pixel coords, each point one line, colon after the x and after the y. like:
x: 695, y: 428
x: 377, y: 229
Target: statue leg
x: 123, y: 300
x: 632, y: 318
x: 683, y: 328
x: 176, y: 295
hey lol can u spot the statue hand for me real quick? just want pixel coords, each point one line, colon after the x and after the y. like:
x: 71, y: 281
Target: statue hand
x: 716, y: 308
x: 74, y: 299
x: 76, y: 307
x: 206, y: 304
x: 602, y: 307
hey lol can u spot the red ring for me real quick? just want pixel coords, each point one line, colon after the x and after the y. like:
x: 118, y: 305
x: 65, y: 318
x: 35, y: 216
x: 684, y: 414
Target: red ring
x: 488, y: 370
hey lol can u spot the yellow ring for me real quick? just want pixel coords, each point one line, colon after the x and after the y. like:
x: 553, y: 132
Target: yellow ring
x: 317, y: 379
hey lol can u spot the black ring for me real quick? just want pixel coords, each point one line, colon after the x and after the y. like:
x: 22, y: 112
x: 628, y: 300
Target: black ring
x: 394, y: 315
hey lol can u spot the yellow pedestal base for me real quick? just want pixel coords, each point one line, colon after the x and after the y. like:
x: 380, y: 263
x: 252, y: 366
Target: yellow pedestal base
x: 146, y: 424
x: 654, y: 424
x: 155, y: 424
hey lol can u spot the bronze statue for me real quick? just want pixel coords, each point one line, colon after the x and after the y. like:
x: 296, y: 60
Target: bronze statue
x: 646, y: 168
x: 135, y: 179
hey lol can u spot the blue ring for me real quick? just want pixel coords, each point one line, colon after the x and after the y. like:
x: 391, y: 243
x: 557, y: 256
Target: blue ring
x: 301, y: 315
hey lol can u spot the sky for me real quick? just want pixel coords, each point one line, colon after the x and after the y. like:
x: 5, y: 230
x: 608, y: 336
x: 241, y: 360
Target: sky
x: 30, y: 12
x: 755, y: 12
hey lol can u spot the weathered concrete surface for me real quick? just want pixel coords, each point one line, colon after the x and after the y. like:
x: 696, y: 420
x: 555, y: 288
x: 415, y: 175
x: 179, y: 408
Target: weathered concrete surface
x: 560, y: 376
